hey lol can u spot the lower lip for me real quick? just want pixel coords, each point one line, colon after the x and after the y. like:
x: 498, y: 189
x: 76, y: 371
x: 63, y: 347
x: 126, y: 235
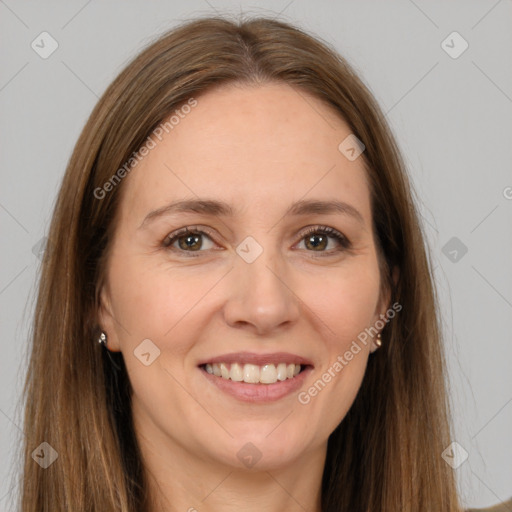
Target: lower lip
x: 258, y: 392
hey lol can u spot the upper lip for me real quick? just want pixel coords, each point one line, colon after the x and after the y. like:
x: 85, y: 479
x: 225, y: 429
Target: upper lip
x: 257, y: 359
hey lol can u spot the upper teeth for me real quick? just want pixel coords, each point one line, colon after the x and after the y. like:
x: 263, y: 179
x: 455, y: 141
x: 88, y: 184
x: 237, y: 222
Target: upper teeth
x: 252, y: 373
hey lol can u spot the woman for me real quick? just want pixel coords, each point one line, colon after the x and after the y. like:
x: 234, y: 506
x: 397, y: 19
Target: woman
x: 236, y: 229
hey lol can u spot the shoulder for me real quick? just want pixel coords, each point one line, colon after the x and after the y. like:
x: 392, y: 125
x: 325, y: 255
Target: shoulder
x: 506, y: 506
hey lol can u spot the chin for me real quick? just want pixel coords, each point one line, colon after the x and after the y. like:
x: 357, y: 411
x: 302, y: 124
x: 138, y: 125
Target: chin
x: 262, y: 451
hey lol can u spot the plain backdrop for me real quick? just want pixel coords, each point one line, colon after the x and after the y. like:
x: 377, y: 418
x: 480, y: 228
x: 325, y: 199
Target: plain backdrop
x: 449, y: 109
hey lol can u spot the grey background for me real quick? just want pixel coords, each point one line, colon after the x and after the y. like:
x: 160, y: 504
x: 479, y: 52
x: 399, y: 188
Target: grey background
x: 451, y: 118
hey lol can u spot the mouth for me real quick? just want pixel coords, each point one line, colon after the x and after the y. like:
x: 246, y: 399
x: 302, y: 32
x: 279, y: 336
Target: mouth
x: 257, y: 378
x: 254, y: 374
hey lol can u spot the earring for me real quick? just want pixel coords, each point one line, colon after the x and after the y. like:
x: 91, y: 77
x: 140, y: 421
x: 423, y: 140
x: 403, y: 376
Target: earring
x: 102, y: 340
x: 378, y: 341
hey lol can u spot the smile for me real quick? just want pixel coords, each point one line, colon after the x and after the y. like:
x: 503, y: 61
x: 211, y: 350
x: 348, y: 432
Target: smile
x: 251, y: 377
x: 252, y: 373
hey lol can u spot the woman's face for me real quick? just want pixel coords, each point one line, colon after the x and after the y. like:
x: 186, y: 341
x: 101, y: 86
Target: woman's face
x: 256, y: 286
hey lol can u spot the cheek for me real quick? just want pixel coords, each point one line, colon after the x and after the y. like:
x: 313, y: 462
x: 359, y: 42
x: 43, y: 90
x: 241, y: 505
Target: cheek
x: 154, y: 300
x: 345, y: 301
x: 162, y: 305
x: 345, y: 308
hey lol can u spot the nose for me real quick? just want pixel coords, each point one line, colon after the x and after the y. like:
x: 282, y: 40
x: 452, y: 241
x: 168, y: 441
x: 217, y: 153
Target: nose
x: 261, y: 297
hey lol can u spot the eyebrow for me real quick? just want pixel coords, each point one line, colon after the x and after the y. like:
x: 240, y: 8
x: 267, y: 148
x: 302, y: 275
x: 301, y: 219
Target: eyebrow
x: 222, y: 209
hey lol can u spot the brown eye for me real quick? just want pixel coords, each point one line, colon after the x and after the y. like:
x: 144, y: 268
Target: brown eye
x: 188, y: 240
x: 315, y: 242
x: 192, y: 242
x: 317, y: 239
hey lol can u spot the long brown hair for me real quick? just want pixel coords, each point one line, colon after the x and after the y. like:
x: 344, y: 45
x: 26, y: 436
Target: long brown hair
x: 386, y: 454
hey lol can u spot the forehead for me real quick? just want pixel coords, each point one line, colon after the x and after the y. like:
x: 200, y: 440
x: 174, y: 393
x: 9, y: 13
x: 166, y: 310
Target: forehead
x: 264, y: 145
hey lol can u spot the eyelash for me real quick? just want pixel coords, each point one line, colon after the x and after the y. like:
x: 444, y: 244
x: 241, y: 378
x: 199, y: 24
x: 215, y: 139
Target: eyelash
x: 194, y: 230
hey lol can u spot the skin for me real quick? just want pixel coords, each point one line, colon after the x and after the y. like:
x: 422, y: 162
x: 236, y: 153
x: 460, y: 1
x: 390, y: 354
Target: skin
x: 258, y: 148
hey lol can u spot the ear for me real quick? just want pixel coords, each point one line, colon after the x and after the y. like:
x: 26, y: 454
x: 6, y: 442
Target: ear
x: 107, y: 321
x: 385, y: 302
